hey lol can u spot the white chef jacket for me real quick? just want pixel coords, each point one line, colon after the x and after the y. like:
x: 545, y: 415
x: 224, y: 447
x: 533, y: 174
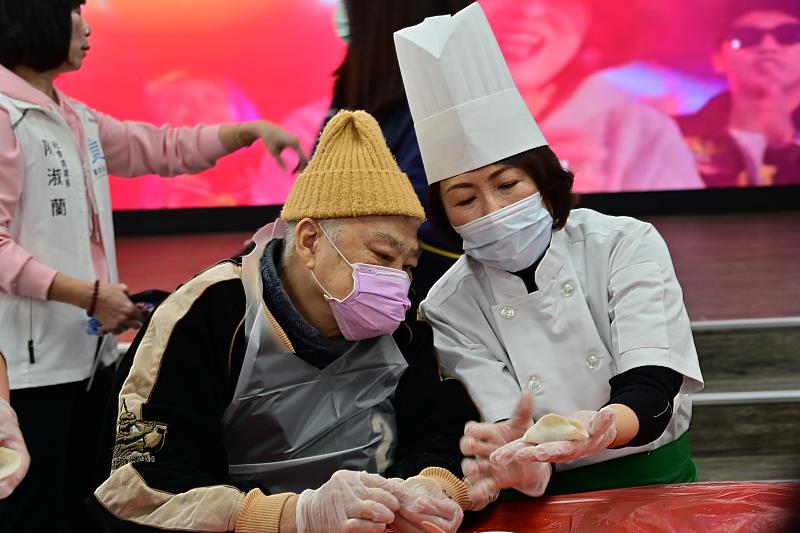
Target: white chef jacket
x: 607, y: 301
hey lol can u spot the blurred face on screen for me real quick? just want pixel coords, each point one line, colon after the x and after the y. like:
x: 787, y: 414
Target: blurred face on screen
x: 183, y: 100
x: 538, y: 37
x: 761, y: 54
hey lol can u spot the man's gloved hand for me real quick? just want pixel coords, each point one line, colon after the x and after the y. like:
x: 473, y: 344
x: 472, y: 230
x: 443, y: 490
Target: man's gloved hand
x: 426, y: 502
x: 350, y: 502
x: 529, y: 478
x: 599, y: 424
x: 11, y: 437
x: 487, y: 478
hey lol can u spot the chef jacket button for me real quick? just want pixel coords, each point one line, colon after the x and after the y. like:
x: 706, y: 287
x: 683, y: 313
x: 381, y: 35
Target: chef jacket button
x: 568, y: 288
x: 534, y: 384
x: 593, y: 361
x: 508, y: 312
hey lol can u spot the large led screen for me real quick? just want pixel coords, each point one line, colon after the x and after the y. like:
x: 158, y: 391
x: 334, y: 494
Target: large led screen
x: 632, y: 95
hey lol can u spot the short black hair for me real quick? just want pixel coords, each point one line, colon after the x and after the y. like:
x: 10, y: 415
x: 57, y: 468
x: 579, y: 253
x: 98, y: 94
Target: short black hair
x: 738, y: 8
x: 553, y: 180
x: 35, y: 33
x: 735, y: 9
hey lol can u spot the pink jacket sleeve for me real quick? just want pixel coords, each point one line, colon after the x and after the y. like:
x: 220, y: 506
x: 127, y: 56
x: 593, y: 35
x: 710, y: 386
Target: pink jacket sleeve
x: 138, y: 148
x: 20, y: 273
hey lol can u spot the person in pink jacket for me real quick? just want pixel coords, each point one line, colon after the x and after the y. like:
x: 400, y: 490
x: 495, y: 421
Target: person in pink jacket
x: 57, y: 256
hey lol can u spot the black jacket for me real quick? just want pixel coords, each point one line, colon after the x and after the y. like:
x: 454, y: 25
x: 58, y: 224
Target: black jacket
x: 163, y: 430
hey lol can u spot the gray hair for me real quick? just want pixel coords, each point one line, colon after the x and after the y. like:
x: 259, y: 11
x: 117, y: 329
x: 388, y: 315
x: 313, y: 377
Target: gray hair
x: 332, y: 226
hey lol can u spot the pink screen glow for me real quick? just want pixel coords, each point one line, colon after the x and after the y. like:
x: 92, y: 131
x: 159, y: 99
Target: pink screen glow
x: 188, y: 61
x: 221, y: 62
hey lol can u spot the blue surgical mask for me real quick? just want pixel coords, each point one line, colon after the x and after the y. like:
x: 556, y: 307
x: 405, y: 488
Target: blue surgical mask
x: 512, y: 238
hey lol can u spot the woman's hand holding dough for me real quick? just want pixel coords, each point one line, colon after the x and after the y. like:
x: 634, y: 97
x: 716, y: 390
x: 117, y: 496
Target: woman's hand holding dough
x: 560, y: 439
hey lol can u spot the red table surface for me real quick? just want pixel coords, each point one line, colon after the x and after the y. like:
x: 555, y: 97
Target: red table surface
x: 746, y: 507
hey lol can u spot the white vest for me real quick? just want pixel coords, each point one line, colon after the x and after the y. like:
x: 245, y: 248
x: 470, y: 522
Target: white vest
x: 46, y: 342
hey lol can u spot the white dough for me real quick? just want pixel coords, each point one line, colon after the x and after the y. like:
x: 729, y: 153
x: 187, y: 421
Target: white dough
x: 9, y: 462
x: 552, y: 427
x: 423, y: 486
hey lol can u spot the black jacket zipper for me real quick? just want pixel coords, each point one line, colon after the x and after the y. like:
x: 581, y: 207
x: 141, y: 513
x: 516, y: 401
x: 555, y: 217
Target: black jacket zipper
x: 31, y: 354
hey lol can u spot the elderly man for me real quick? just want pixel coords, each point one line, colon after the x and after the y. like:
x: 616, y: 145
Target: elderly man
x: 259, y: 380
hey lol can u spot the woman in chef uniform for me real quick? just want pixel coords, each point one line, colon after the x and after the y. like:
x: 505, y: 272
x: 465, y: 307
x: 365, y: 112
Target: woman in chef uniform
x: 581, y: 310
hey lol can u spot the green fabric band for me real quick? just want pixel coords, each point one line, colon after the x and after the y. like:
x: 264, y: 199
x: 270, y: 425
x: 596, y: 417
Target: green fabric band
x: 671, y: 463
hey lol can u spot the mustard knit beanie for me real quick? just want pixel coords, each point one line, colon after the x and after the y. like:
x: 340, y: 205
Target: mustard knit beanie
x: 352, y: 174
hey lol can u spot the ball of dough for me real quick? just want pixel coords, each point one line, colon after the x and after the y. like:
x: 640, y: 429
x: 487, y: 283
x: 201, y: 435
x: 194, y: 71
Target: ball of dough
x: 423, y: 486
x: 552, y: 427
x: 9, y: 462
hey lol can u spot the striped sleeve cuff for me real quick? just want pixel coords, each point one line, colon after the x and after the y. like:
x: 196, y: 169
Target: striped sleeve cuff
x: 455, y: 488
x: 261, y: 513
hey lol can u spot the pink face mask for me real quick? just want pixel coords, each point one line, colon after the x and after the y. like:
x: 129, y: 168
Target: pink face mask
x: 377, y: 304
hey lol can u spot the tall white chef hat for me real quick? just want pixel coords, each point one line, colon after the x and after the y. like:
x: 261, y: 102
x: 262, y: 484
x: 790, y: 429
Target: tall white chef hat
x: 467, y: 111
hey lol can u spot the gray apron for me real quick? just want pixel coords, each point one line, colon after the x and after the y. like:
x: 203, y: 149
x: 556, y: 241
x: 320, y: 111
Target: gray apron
x: 291, y: 425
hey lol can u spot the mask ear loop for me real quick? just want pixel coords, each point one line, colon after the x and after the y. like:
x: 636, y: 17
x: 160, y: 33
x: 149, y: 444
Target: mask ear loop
x: 328, y: 295
x: 325, y: 233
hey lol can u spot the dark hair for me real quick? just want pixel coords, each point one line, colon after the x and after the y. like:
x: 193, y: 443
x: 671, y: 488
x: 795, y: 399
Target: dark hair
x: 738, y: 8
x: 553, y: 181
x: 35, y: 33
x: 735, y: 9
x: 369, y: 76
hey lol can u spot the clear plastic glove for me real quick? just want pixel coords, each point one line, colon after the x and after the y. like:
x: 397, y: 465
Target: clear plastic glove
x: 599, y: 424
x: 350, y: 502
x: 444, y: 513
x: 481, y: 440
x: 529, y: 478
x: 11, y: 437
x: 425, y: 506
